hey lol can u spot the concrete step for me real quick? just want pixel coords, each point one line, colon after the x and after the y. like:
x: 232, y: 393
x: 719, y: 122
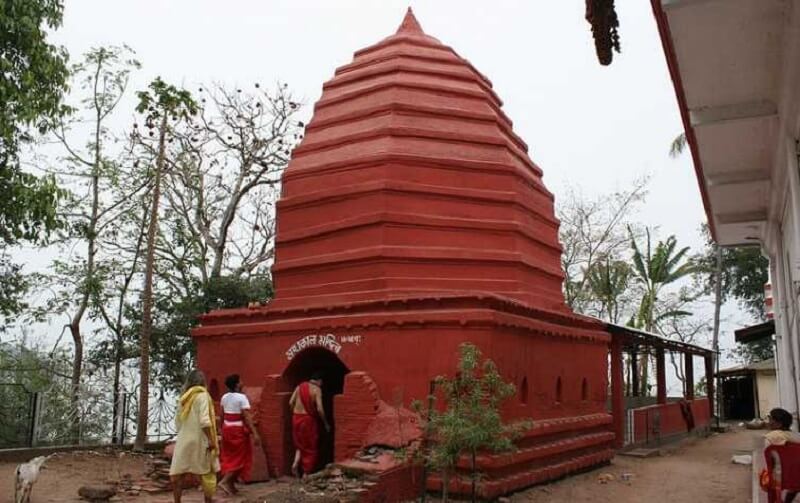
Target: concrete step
x: 641, y: 453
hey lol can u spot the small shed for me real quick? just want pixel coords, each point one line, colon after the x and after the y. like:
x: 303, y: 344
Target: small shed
x: 748, y: 391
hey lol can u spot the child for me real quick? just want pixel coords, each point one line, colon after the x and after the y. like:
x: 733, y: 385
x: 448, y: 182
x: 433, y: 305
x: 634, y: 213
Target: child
x: 780, y: 424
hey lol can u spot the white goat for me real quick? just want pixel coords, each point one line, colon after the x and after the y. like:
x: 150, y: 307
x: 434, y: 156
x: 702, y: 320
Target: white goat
x: 26, y: 476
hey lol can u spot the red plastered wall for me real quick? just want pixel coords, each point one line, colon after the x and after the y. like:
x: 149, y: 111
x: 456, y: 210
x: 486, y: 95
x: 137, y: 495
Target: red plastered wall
x: 671, y: 421
x: 355, y: 410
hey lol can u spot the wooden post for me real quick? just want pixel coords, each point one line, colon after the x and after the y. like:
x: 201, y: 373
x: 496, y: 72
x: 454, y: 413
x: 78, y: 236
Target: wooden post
x: 688, y: 372
x: 661, y: 377
x: 617, y: 391
x: 634, y: 372
x: 709, y: 361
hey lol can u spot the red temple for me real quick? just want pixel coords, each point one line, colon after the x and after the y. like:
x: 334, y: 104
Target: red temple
x: 412, y: 220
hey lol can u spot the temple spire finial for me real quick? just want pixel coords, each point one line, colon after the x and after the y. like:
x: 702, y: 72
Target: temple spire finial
x: 410, y: 25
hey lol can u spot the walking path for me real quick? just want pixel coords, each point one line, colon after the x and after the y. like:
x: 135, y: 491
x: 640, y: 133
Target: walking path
x: 694, y: 471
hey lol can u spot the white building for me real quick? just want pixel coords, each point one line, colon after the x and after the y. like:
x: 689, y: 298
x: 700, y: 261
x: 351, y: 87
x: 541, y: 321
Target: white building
x: 735, y: 65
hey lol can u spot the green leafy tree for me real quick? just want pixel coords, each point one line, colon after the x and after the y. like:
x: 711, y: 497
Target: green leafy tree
x: 654, y: 269
x: 745, y: 271
x: 121, y: 270
x: 609, y: 281
x: 27, y: 369
x: 34, y: 74
x: 163, y: 106
x: 97, y: 200
x: 739, y: 273
x: 471, y: 421
x: 34, y: 79
x: 13, y: 288
x: 173, y: 347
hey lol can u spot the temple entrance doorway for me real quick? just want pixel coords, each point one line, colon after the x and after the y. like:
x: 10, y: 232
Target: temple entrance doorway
x: 304, y: 364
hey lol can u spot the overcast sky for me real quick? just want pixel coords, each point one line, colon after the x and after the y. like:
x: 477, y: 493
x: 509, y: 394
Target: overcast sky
x: 598, y: 127
x: 587, y: 125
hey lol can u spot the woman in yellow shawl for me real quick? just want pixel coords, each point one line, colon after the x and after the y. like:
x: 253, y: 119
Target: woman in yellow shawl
x: 196, y: 449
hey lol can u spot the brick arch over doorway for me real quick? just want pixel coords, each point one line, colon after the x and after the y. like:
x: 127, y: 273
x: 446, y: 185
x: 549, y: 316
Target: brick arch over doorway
x: 354, y: 407
x: 316, y: 359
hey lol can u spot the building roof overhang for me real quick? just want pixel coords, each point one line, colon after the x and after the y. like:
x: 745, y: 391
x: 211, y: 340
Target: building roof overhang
x: 725, y: 59
x: 766, y: 366
x: 755, y: 333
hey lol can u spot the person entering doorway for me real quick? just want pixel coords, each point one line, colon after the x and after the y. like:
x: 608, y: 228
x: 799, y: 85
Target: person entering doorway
x: 307, y: 413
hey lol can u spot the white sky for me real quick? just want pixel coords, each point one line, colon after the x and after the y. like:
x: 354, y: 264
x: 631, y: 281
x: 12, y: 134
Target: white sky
x: 597, y: 127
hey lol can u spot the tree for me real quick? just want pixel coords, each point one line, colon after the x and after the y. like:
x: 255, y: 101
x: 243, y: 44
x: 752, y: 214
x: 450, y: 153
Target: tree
x: 739, y: 273
x: 13, y: 288
x: 217, y: 232
x: 159, y: 104
x: 745, y: 271
x: 28, y: 371
x: 34, y: 74
x: 172, y: 345
x: 33, y: 83
x: 609, y: 282
x: 220, y: 191
x: 471, y: 421
x: 92, y: 211
x: 654, y: 269
x: 676, y: 320
x: 593, y: 231
x: 115, y: 303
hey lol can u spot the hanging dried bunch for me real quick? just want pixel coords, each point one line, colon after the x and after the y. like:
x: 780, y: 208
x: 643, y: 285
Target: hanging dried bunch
x: 603, y: 18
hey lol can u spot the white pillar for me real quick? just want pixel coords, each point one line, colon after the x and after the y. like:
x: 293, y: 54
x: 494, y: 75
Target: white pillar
x: 790, y: 237
x: 785, y: 355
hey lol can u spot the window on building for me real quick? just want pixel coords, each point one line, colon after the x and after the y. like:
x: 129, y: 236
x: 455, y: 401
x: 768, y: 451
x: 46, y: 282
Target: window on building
x: 584, y: 390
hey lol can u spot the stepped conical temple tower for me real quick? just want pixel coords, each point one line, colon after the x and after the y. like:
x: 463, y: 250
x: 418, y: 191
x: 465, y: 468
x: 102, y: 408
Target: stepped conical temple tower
x: 412, y: 220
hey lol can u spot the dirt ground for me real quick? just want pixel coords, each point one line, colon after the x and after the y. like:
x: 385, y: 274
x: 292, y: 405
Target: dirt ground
x: 696, y: 470
x: 65, y: 473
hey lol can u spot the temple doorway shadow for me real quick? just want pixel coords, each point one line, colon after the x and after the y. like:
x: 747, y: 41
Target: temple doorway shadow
x: 302, y: 366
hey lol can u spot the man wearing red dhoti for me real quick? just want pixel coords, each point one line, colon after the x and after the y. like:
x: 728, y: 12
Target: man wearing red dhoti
x: 307, y: 412
x: 236, y: 456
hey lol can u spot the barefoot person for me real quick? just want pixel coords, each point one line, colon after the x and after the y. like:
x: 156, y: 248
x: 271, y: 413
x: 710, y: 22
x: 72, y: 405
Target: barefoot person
x: 196, y: 446
x: 307, y: 412
x: 236, y: 456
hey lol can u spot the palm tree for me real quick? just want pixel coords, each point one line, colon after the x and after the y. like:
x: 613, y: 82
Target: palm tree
x: 677, y: 148
x: 608, y: 280
x: 678, y: 145
x: 653, y: 269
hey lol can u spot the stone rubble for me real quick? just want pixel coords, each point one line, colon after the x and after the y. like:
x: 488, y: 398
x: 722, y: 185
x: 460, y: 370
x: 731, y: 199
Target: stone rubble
x: 342, y: 482
x: 157, y: 477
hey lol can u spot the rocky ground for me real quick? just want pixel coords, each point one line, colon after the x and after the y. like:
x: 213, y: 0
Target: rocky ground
x: 693, y: 471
